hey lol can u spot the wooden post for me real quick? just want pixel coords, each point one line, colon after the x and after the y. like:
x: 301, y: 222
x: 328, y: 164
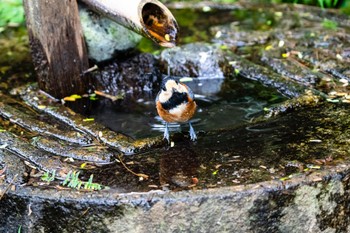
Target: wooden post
x: 58, y: 47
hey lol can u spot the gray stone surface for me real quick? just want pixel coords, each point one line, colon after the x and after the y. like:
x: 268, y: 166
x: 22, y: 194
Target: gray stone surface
x: 314, y: 203
x: 193, y: 60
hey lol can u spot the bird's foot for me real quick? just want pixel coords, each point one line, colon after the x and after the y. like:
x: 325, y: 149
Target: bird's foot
x: 193, y: 135
x: 166, y: 133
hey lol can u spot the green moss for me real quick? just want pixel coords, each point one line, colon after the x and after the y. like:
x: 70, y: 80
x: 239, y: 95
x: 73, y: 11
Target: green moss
x: 329, y: 24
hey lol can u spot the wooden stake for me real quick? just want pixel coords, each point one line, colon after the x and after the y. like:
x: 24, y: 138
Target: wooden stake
x: 58, y: 48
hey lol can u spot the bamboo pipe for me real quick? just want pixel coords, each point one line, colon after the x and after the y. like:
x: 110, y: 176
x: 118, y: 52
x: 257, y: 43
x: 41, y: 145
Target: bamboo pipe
x: 146, y: 17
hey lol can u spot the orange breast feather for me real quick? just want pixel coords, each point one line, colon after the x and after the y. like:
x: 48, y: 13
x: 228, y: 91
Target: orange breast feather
x: 184, y: 116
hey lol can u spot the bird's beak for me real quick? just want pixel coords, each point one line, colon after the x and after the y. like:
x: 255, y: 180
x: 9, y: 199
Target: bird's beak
x: 150, y: 18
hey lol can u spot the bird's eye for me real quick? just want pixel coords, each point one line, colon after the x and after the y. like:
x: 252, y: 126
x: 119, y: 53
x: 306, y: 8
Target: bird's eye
x: 164, y: 88
x: 177, y: 82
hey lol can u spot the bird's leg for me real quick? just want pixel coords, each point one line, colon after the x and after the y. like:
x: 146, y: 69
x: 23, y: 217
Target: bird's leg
x: 166, y: 132
x: 193, y: 135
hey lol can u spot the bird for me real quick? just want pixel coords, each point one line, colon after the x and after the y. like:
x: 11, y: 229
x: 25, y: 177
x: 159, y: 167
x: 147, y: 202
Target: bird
x: 175, y: 103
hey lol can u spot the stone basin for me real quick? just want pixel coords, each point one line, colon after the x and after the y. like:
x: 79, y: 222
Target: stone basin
x: 272, y: 154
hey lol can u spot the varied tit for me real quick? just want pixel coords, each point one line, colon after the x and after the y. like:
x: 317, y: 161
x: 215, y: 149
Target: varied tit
x: 175, y: 103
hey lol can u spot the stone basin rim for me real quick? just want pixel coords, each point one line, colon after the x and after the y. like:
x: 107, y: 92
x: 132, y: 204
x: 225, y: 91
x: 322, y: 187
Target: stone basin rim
x: 109, y: 197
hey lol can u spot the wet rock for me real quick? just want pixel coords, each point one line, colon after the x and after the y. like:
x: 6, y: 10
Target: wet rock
x: 135, y: 76
x: 231, y: 35
x: 33, y: 123
x: 93, y: 153
x: 241, y: 67
x: 99, y: 133
x: 12, y: 167
x: 20, y: 151
x: 192, y: 60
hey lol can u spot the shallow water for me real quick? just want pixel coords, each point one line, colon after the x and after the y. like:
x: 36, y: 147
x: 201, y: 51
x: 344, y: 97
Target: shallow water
x: 221, y: 109
x: 222, y: 102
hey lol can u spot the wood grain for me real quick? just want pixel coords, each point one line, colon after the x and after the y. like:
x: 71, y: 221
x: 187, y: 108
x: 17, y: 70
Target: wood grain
x: 58, y: 48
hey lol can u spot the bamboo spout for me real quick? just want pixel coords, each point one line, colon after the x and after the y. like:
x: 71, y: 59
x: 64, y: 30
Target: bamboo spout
x: 147, y: 17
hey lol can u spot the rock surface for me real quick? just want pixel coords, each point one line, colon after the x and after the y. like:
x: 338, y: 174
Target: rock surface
x: 285, y: 169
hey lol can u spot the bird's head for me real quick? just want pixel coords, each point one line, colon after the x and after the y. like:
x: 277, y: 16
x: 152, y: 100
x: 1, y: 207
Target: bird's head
x: 168, y: 87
